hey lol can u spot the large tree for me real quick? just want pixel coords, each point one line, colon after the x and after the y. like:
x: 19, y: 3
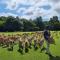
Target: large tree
x: 54, y: 22
x: 39, y: 23
x: 13, y: 24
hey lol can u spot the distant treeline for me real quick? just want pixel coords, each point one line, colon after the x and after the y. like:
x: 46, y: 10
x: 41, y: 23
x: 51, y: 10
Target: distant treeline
x: 11, y: 24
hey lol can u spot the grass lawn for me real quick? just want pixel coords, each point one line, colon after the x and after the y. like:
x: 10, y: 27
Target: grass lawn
x: 32, y: 55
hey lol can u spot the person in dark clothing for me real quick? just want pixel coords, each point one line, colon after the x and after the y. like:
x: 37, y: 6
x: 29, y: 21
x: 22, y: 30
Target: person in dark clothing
x: 47, y: 36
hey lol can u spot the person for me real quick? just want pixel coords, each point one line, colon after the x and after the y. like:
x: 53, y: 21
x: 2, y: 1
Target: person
x: 47, y: 36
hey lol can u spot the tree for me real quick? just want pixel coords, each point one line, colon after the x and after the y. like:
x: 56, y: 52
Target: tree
x: 13, y: 24
x: 39, y: 23
x: 54, y: 22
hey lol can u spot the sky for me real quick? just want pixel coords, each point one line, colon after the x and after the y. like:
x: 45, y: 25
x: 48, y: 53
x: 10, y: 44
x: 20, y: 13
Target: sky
x: 30, y: 9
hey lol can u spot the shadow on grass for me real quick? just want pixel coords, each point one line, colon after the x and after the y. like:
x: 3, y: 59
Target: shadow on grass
x: 20, y: 51
x: 26, y: 50
x: 35, y: 48
x: 10, y: 49
x: 54, y: 58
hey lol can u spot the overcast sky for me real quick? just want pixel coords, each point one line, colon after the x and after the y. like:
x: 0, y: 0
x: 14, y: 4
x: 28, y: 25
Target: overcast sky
x: 30, y: 8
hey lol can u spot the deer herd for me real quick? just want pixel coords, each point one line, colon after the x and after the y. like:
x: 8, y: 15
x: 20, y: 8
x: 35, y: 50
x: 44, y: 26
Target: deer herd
x: 24, y: 41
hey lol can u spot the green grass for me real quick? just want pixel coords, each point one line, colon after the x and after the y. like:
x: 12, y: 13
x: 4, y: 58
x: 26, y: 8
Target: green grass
x: 32, y: 55
x: 14, y: 33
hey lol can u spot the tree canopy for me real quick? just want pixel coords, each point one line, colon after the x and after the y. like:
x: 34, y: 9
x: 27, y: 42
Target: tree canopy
x: 11, y: 23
